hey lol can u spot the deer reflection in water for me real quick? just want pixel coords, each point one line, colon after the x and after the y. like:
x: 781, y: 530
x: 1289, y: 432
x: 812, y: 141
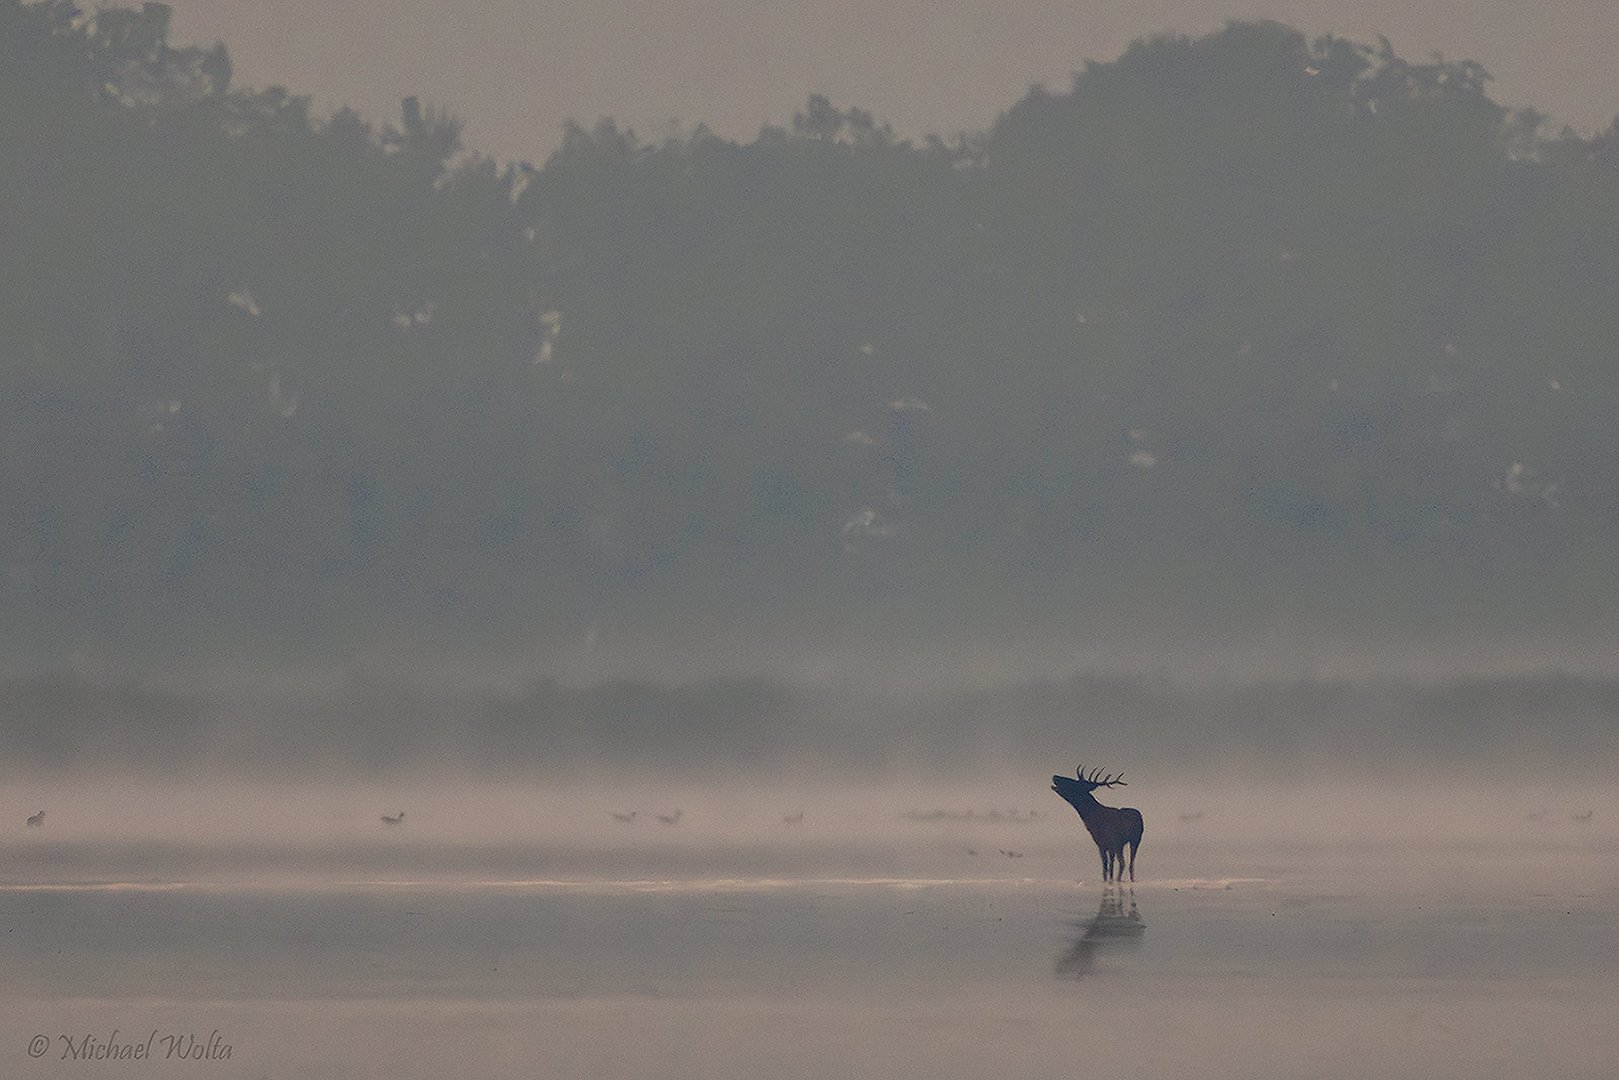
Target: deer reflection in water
x: 1113, y: 929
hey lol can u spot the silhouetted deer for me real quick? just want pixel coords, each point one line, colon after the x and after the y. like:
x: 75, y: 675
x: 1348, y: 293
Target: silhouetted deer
x: 398, y: 819
x: 1111, y: 827
x: 37, y: 821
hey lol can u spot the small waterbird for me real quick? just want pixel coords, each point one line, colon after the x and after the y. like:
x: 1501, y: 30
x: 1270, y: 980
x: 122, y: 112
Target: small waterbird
x: 395, y: 820
x: 37, y: 821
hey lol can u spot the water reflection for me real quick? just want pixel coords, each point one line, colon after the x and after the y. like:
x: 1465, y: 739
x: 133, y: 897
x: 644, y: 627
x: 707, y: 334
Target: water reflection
x: 1115, y: 928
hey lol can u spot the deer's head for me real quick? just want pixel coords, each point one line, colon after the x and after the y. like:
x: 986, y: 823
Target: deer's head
x: 1078, y: 791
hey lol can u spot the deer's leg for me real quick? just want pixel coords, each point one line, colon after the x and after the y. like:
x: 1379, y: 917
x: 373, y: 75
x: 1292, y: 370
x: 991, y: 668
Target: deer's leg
x: 1133, y: 845
x: 1107, y: 866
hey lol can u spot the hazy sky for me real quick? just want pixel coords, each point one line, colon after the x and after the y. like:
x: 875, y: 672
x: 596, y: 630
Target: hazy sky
x: 516, y: 69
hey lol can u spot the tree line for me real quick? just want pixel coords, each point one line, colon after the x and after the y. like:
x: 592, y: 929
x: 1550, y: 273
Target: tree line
x: 1223, y: 301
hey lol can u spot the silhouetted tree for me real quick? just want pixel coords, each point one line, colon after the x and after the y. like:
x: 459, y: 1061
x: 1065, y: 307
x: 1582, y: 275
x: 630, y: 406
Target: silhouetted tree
x: 1225, y: 300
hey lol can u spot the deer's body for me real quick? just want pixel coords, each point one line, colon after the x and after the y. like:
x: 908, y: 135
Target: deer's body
x: 1113, y: 828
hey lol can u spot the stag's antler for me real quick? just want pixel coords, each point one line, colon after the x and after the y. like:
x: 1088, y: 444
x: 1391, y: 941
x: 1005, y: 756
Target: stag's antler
x: 1096, y: 777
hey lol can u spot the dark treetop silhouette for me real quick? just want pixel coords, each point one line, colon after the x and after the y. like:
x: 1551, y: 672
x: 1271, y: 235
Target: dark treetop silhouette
x: 1111, y: 827
x: 1218, y: 297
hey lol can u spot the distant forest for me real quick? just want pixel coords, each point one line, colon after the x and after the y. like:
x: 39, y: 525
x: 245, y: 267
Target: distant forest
x: 1226, y: 303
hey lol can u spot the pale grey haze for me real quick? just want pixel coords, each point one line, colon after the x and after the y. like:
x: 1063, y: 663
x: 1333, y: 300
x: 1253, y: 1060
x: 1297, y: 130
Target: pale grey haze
x: 516, y: 70
x: 627, y: 605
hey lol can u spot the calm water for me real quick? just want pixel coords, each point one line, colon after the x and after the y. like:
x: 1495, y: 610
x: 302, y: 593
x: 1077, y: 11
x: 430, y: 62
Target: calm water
x: 436, y: 961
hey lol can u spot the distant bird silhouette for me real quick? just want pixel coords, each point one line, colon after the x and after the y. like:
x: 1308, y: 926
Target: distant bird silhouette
x: 1012, y: 854
x: 37, y: 821
x: 1196, y: 815
x: 386, y: 820
x: 1572, y: 817
x: 793, y: 819
x: 670, y: 819
x: 625, y: 819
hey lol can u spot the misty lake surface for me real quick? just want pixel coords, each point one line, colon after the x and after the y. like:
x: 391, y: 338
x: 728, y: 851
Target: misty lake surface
x: 428, y: 961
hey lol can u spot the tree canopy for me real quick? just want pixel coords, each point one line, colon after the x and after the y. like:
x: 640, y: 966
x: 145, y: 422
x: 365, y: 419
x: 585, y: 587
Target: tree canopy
x: 1224, y: 302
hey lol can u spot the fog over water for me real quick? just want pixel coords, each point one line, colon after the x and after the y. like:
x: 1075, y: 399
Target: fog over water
x: 710, y: 917
x: 803, y: 912
x: 903, y: 954
x: 621, y: 609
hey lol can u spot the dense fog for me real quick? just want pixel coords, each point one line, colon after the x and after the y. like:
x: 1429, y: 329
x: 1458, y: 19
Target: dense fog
x: 645, y: 610
x: 1246, y: 403
x: 728, y: 730
x: 1235, y: 330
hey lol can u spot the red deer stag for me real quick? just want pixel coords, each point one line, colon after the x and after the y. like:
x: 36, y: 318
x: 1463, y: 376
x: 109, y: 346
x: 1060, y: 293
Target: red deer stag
x: 1111, y: 827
